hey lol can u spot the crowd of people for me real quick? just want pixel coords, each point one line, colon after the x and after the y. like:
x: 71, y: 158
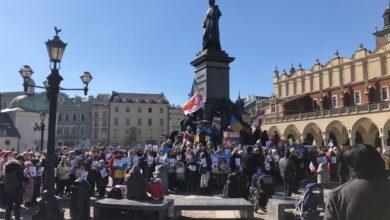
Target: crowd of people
x: 197, y: 165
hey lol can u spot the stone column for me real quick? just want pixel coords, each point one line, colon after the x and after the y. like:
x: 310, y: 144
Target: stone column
x: 325, y: 137
x: 351, y: 140
x: 384, y: 140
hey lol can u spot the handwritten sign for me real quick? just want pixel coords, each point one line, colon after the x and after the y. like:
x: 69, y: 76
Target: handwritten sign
x: 94, y: 164
x: 155, y: 148
x: 333, y: 160
x: 203, y: 162
x: 33, y: 171
x: 84, y: 175
x: 103, y: 173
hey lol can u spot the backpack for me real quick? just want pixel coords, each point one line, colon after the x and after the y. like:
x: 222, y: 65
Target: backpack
x: 114, y: 193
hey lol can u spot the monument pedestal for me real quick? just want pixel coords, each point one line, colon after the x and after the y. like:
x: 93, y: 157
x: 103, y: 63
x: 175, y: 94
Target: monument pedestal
x: 212, y: 76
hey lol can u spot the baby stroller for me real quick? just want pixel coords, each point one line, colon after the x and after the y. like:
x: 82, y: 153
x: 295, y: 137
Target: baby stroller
x: 261, y: 192
x: 306, y: 208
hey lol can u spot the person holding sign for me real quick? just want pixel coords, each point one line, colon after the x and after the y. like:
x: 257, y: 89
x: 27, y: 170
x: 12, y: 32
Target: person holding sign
x: 235, y: 160
x: 117, y: 172
x: 205, y: 169
x: 102, y: 178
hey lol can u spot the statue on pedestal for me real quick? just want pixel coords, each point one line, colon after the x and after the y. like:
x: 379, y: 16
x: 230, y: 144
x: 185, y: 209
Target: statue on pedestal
x: 211, y: 28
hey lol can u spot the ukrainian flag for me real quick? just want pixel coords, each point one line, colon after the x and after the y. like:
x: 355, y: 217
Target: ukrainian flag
x: 235, y: 125
x: 194, y: 89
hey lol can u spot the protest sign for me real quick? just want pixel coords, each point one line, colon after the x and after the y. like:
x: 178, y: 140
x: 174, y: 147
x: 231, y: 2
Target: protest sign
x: 155, y: 148
x: 230, y: 138
x: 84, y: 175
x: 33, y: 171
x: 103, y: 173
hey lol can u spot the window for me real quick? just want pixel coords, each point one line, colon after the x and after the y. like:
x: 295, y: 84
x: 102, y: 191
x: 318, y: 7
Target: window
x: 115, y: 133
x: 95, y: 135
x: 74, y: 116
x: 384, y: 93
x: 139, y: 133
x: 60, y: 143
x: 127, y: 109
x: 150, y: 122
x: 66, y: 131
x: 162, y: 133
x: 105, y: 113
x: 273, y: 108
x: 150, y: 110
x: 150, y: 134
x: 315, y: 104
x: 334, y: 101
x: 95, y: 122
x: 59, y: 131
x: 82, y: 131
x: 82, y: 117
x: 127, y: 132
x: 59, y: 117
x: 104, y: 133
x: 161, y: 122
x: 139, y: 109
x: 139, y: 122
x: 356, y: 96
x: 67, y: 117
x: 116, y: 109
x: 105, y: 123
x: 116, y: 121
x: 96, y: 114
x: 127, y: 121
x: 161, y: 110
x: 116, y: 99
x: 74, y: 131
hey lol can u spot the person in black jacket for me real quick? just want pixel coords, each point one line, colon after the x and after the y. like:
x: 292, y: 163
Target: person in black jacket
x: 367, y: 194
x: 287, y: 171
x: 204, y: 170
x: 13, y: 186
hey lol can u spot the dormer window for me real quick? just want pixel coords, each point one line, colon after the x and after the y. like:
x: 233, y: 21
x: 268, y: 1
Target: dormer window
x: 139, y: 100
x: 128, y: 100
x: 116, y: 99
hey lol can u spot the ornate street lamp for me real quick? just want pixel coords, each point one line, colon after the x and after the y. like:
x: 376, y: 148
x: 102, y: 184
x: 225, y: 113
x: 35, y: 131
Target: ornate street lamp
x: 41, y: 127
x: 48, y: 206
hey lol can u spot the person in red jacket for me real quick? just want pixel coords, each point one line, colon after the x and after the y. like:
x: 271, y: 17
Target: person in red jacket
x: 155, y: 189
x: 117, y: 173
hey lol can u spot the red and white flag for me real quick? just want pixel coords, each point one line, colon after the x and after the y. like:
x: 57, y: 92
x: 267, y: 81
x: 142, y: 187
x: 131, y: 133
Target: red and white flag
x: 259, y: 119
x: 312, y: 168
x: 193, y: 105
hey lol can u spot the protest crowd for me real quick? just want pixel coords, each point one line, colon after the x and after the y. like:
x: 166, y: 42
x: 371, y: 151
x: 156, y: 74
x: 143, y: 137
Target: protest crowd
x: 202, y: 163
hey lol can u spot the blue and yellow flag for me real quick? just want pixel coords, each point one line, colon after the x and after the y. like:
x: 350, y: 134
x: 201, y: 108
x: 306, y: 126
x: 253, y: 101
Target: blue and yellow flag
x: 194, y: 89
x: 235, y: 125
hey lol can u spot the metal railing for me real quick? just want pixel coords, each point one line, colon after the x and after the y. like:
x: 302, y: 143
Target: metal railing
x: 359, y: 109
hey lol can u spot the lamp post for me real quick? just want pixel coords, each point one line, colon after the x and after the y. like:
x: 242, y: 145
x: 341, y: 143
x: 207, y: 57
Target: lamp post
x: 41, y: 127
x: 48, y: 206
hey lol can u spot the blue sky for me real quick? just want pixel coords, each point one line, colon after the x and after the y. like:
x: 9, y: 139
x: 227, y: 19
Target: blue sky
x: 147, y: 45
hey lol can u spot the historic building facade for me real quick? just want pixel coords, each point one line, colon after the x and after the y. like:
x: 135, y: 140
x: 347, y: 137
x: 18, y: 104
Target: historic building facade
x: 345, y: 100
x: 73, y: 121
x: 100, y: 120
x: 175, y: 115
x: 137, y: 119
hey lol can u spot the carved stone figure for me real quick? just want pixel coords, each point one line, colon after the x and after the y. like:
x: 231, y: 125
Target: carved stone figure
x: 211, y: 28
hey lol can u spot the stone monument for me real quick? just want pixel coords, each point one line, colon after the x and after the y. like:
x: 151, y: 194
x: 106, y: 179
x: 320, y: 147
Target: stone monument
x: 212, y: 70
